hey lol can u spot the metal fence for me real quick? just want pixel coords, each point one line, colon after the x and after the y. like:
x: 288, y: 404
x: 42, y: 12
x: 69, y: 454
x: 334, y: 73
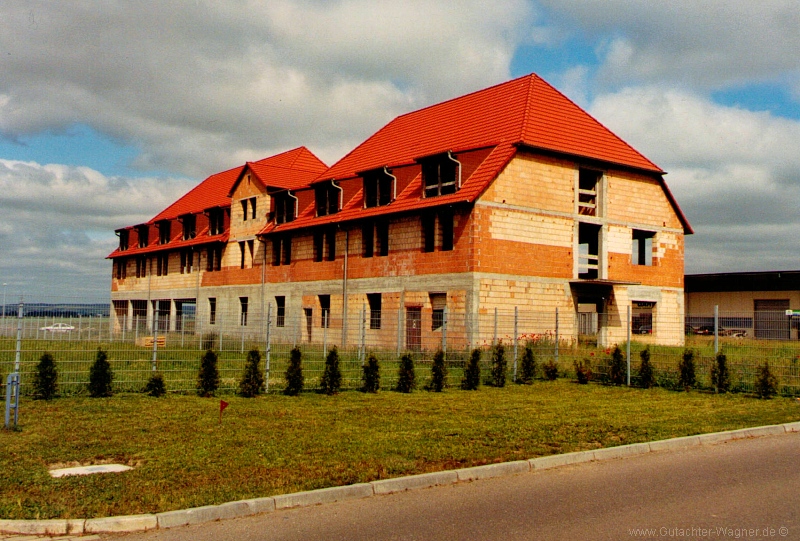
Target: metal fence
x: 72, y: 332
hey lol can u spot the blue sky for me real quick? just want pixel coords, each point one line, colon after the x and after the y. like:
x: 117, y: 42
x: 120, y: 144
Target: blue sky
x: 110, y: 111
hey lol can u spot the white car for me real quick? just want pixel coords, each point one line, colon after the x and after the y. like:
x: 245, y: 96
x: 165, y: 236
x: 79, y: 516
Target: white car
x: 58, y: 327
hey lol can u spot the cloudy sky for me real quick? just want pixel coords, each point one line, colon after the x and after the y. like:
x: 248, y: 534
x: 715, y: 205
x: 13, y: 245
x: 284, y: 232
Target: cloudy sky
x: 111, y: 110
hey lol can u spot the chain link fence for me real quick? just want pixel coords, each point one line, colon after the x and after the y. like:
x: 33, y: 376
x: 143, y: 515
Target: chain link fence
x: 72, y: 332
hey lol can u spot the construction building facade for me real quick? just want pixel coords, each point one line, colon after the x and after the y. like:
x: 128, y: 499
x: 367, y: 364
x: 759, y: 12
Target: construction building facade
x: 508, y: 198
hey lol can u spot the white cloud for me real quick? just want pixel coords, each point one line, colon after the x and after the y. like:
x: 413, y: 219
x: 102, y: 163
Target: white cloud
x: 59, y: 223
x: 701, y: 44
x: 735, y: 173
x: 196, y: 84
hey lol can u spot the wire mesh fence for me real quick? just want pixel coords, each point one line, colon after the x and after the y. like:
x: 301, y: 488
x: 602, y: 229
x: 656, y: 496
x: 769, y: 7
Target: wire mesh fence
x: 172, y: 342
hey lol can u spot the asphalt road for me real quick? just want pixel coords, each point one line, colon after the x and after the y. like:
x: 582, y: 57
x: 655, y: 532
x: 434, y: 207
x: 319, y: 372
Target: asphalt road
x: 745, y: 489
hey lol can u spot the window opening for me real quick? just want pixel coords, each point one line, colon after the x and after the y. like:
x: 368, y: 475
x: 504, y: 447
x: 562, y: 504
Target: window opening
x: 441, y: 175
x: 243, y: 309
x: 141, y: 267
x: 379, y: 188
x: 123, y: 240
x: 244, y: 209
x: 588, y: 182
x: 428, y: 232
x: 280, y: 319
x: 382, y: 234
x: 216, y: 221
x: 319, y: 245
x: 162, y: 265
x: 214, y: 256
x: 642, y: 317
x: 164, y: 232
x: 642, y: 249
x: 327, y: 198
x: 284, y: 207
x: 374, y: 300
x: 438, y: 304
x: 143, y: 232
x: 330, y: 244
x: 189, y: 226
x: 186, y: 261
x: 368, y: 239
x: 325, y: 308
x: 588, y: 251
x: 253, y: 208
x: 121, y: 268
x: 241, y: 253
x: 446, y: 227
x: 212, y: 310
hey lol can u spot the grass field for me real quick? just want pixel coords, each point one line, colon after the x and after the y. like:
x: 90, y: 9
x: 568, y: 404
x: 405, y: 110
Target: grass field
x: 276, y: 444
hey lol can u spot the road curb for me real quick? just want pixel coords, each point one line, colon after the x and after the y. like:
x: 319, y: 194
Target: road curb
x: 242, y: 508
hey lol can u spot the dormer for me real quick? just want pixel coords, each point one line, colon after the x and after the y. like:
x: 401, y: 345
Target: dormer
x: 328, y: 196
x: 441, y: 174
x: 380, y: 187
x: 123, y: 239
x: 216, y: 221
x: 189, y: 223
x: 164, y: 231
x: 143, y: 234
x: 284, y: 207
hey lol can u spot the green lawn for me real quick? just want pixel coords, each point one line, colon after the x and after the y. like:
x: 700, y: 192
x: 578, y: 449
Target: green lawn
x: 277, y: 444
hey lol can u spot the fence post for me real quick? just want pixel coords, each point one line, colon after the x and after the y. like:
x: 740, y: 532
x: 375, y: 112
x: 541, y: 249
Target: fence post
x: 155, y: 343
x: 12, y: 398
x: 716, y: 329
x: 628, y: 346
x: 111, y: 323
x: 516, y: 333
x: 494, y: 338
x: 326, y: 317
x: 268, y: 347
x: 20, y: 309
x: 556, y: 349
x: 363, y: 346
x: 444, y: 331
x: 399, y: 329
x: 241, y: 324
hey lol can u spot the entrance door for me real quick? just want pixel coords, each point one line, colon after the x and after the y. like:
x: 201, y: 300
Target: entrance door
x: 309, y: 321
x: 413, y: 328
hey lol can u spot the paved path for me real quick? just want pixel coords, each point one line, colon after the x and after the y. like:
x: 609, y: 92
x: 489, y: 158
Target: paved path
x: 725, y: 491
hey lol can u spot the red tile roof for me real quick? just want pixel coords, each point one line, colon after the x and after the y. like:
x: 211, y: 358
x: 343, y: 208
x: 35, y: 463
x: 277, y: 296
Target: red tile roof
x: 524, y: 111
x: 296, y: 167
x: 290, y: 170
x: 409, y: 199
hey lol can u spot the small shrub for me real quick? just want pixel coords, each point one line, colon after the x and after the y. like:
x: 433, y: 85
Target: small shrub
x: 209, y: 340
x: 550, y: 369
x: 331, y: 380
x: 646, y: 374
x: 472, y: 372
x: 528, y: 368
x: 583, y: 371
x: 253, y: 378
x: 686, y: 370
x: 406, y: 379
x: 766, y: 382
x: 720, y: 375
x: 155, y: 385
x: 45, y: 380
x: 371, y: 376
x: 616, y: 367
x: 499, y: 365
x: 438, y: 372
x: 208, y: 375
x: 100, y: 376
x: 294, y: 373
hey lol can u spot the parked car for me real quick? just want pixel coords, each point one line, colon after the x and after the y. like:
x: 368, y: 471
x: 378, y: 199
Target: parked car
x: 709, y: 330
x: 645, y: 329
x: 58, y: 327
x: 689, y: 330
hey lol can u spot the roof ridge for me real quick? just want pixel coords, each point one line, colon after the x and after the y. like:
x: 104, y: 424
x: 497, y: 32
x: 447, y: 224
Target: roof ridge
x: 614, y: 135
x: 528, y: 100
x: 480, y: 90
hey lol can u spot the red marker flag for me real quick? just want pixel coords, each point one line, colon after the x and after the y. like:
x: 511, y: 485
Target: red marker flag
x: 222, y: 406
